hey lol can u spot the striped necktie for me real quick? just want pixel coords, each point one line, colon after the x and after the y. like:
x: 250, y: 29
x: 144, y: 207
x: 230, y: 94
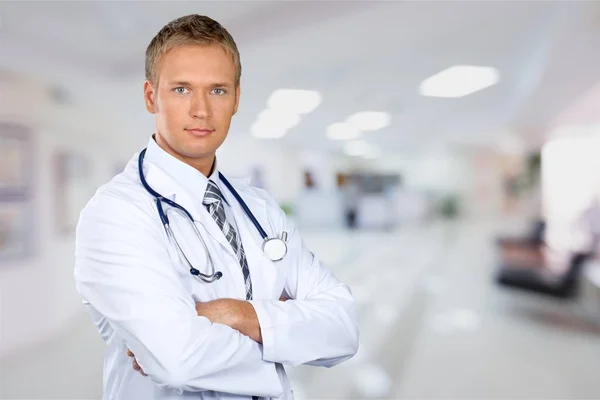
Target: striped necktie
x: 213, y: 200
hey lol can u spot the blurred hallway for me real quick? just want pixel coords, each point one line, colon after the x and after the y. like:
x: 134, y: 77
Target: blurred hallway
x: 425, y: 128
x: 432, y: 326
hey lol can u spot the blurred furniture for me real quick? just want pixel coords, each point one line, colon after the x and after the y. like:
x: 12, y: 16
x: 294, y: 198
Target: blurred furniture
x: 590, y: 289
x: 534, y: 239
x: 523, y: 252
x: 535, y: 277
x: 521, y: 255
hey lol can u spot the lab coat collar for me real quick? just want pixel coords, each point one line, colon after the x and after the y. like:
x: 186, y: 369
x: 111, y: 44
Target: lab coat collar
x: 169, y: 188
x: 183, y: 174
x: 184, y: 185
x: 166, y: 175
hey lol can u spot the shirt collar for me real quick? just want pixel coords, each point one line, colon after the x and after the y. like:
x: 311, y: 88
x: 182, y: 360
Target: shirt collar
x: 185, y: 175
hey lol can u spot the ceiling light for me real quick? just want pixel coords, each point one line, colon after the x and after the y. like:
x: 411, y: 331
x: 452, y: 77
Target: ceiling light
x: 294, y: 101
x: 273, y: 124
x: 278, y: 119
x: 342, y: 131
x: 356, y: 148
x: 459, y: 81
x: 262, y: 131
x: 369, y: 120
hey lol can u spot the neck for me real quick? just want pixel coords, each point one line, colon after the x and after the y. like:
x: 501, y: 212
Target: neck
x: 203, y: 164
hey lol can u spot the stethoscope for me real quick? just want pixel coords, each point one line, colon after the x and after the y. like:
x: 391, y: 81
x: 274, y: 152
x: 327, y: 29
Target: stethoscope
x: 274, y: 248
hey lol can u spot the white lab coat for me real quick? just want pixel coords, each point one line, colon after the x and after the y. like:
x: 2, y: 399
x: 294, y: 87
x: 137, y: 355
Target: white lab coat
x: 141, y: 296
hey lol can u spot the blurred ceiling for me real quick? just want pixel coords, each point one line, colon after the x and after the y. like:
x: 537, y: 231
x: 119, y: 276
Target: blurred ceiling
x: 360, y: 56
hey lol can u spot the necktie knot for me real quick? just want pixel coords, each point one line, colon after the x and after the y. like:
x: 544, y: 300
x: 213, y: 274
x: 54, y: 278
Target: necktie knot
x: 213, y: 194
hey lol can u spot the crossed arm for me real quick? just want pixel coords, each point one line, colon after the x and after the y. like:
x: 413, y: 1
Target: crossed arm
x: 120, y: 271
x: 237, y: 314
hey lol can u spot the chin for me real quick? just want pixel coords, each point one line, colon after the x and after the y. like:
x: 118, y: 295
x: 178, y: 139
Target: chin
x: 198, y: 151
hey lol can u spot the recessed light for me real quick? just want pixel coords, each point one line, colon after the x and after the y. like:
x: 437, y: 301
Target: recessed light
x: 294, y: 101
x: 278, y: 119
x: 369, y: 120
x: 272, y: 124
x: 342, y: 131
x: 459, y: 81
x: 264, y: 131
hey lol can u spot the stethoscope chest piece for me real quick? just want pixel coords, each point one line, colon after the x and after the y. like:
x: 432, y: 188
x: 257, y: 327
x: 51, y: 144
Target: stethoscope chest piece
x: 275, y: 248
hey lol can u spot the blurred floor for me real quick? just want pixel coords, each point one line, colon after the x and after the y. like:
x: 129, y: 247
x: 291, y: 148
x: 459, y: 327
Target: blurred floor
x: 432, y: 326
x: 479, y: 341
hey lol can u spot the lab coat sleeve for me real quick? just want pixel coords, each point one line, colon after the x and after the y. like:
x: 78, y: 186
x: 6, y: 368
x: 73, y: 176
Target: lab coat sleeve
x: 123, y: 270
x: 318, y: 325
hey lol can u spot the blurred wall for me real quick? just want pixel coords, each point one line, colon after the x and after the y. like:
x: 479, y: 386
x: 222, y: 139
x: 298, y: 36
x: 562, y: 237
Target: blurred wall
x: 38, y: 296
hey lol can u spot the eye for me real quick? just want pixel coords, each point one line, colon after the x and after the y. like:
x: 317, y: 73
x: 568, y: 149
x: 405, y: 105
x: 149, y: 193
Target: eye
x: 219, y: 91
x: 180, y: 90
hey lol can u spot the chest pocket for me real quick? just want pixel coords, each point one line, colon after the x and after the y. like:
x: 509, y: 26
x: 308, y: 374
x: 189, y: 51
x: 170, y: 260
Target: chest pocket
x: 268, y: 277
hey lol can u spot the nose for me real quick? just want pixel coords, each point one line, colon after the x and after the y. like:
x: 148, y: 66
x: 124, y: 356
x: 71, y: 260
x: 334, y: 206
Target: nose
x: 200, y: 107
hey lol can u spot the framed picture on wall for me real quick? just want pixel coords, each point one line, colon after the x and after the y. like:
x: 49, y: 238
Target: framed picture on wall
x: 72, y: 188
x: 16, y: 231
x: 15, y: 162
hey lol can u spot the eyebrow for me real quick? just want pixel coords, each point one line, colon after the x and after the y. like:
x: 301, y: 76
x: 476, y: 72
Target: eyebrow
x: 213, y: 85
x: 221, y: 84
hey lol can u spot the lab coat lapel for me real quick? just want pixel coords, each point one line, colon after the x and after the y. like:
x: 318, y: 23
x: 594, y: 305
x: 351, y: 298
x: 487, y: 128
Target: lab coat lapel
x: 167, y: 187
x: 262, y: 269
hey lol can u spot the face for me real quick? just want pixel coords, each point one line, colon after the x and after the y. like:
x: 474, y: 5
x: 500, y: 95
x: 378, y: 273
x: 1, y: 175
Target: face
x: 194, y: 98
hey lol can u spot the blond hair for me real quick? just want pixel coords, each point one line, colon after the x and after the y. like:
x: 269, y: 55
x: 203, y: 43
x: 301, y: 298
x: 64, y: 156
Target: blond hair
x: 190, y: 29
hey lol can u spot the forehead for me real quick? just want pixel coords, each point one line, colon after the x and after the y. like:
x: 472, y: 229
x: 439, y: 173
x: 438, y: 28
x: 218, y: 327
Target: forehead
x: 197, y: 63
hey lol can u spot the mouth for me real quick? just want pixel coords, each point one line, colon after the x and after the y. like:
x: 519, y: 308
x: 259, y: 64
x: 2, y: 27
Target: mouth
x: 200, y: 132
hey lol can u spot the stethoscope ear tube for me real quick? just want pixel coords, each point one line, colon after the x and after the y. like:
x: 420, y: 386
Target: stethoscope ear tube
x: 161, y: 213
x: 242, y: 203
x: 276, y: 247
x: 207, y: 278
x: 165, y: 221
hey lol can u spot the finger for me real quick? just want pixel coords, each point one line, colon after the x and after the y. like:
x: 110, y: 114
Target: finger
x: 137, y: 367
x: 129, y: 353
x: 283, y: 298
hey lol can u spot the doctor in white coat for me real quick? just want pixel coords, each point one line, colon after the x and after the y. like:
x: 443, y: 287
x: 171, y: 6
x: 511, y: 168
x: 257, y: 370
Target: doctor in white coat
x: 171, y: 334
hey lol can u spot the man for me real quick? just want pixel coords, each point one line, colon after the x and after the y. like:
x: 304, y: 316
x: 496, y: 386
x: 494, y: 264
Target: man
x: 170, y: 334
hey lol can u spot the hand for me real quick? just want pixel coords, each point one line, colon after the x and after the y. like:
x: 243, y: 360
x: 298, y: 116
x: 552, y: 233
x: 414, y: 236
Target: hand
x: 222, y: 311
x: 236, y: 314
x: 136, y: 366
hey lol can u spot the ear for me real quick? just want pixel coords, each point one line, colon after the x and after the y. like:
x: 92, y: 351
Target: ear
x: 149, y: 97
x: 237, y: 99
